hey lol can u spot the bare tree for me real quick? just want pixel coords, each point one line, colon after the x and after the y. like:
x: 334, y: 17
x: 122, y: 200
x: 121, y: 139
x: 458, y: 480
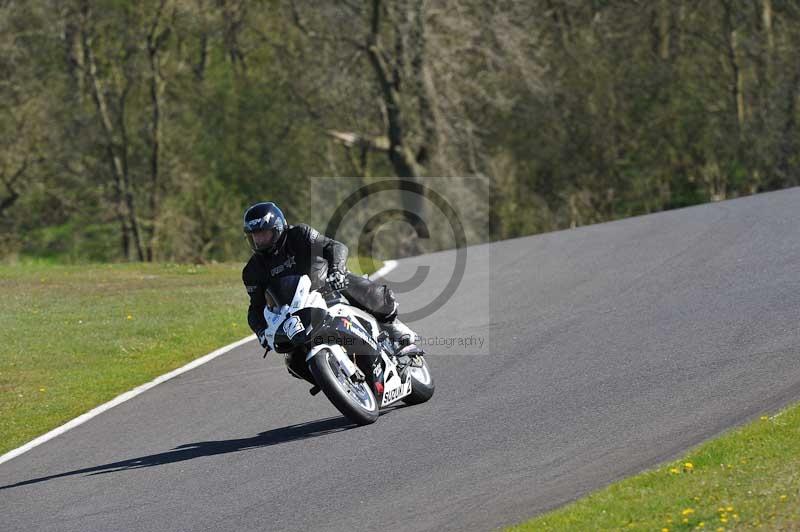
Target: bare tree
x: 155, y: 43
x: 437, y: 69
x: 116, y: 136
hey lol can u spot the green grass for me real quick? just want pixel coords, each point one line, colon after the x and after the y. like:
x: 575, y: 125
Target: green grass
x: 73, y: 337
x: 747, y: 479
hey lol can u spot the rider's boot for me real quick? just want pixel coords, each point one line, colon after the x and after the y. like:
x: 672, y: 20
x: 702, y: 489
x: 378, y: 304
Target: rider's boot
x: 398, y: 331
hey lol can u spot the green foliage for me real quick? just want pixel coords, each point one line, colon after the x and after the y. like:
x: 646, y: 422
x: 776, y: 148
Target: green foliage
x: 72, y: 337
x: 746, y: 479
x: 133, y: 129
x: 117, y: 326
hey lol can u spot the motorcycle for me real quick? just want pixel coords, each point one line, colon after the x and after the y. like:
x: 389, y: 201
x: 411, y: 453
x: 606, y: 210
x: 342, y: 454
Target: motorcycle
x: 350, y: 359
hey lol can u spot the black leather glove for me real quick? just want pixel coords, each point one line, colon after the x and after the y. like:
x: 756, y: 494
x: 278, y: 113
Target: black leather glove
x: 338, y: 280
x: 262, y: 339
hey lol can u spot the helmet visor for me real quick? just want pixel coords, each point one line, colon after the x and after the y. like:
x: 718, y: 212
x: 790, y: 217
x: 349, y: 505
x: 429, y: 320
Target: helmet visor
x: 263, y: 240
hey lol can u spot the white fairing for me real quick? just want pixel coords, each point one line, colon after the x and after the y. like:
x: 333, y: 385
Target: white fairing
x: 274, y: 319
x: 300, y: 294
x: 394, y: 388
x: 303, y: 298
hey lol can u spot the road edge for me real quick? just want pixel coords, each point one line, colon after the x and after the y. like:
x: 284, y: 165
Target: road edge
x: 388, y: 266
x: 83, y: 418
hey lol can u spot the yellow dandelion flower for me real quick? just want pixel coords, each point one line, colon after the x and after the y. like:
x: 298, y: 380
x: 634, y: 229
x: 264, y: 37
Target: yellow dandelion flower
x: 685, y: 520
x: 701, y: 524
x: 687, y: 511
x: 783, y: 497
x: 720, y: 509
x: 129, y: 317
x: 41, y: 389
x: 720, y: 529
x: 665, y: 529
x: 723, y: 519
x: 736, y: 516
x: 729, y: 509
x: 764, y: 418
x: 688, y: 466
x: 674, y: 471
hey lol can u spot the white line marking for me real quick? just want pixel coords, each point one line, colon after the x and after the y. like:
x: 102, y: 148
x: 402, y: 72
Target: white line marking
x: 388, y: 266
x: 121, y: 399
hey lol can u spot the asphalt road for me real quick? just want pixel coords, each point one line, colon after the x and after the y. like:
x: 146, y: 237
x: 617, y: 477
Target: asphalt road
x: 607, y: 349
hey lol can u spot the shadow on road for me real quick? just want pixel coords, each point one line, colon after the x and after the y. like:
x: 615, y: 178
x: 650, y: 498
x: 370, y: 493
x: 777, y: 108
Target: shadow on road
x: 190, y: 451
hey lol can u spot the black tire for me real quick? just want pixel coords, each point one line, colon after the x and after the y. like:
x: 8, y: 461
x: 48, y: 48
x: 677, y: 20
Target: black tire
x: 325, y: 376
x: 420, y: 391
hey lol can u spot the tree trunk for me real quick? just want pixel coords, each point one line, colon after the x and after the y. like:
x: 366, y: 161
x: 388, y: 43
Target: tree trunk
x: 155, y: 144
x: 154, y: 42
x: 664, y: 15
x: 766, y: 20
x: 737, y: 80
x: 9, y: 183
x: 402, y: 157
x: 124, y: 195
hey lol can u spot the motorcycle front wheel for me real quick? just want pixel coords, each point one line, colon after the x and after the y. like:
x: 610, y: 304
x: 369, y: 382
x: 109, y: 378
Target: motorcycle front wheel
x: 354, y: 400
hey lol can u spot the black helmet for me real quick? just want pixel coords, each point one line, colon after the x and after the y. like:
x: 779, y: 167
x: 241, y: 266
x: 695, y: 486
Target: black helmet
x: 264, y: 226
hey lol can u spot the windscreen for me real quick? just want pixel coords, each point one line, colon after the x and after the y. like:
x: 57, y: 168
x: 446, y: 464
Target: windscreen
x: 281, y: 290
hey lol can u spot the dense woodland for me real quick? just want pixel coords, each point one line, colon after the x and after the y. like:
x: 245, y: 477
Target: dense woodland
x: 139, y: 130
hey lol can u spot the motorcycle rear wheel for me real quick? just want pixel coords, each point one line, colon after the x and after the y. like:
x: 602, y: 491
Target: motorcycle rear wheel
x: 422, y: 385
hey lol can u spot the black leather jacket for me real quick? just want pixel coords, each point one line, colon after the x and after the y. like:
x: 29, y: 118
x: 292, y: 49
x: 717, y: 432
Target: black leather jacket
x: 305, y: 251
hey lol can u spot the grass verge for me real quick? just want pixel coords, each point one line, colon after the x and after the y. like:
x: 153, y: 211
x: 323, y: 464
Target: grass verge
x: 74, y: 337
x: 749, y: 478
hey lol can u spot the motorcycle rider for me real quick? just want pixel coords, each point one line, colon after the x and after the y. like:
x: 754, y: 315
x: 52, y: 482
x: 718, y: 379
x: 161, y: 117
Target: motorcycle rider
x: 281, y: 249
